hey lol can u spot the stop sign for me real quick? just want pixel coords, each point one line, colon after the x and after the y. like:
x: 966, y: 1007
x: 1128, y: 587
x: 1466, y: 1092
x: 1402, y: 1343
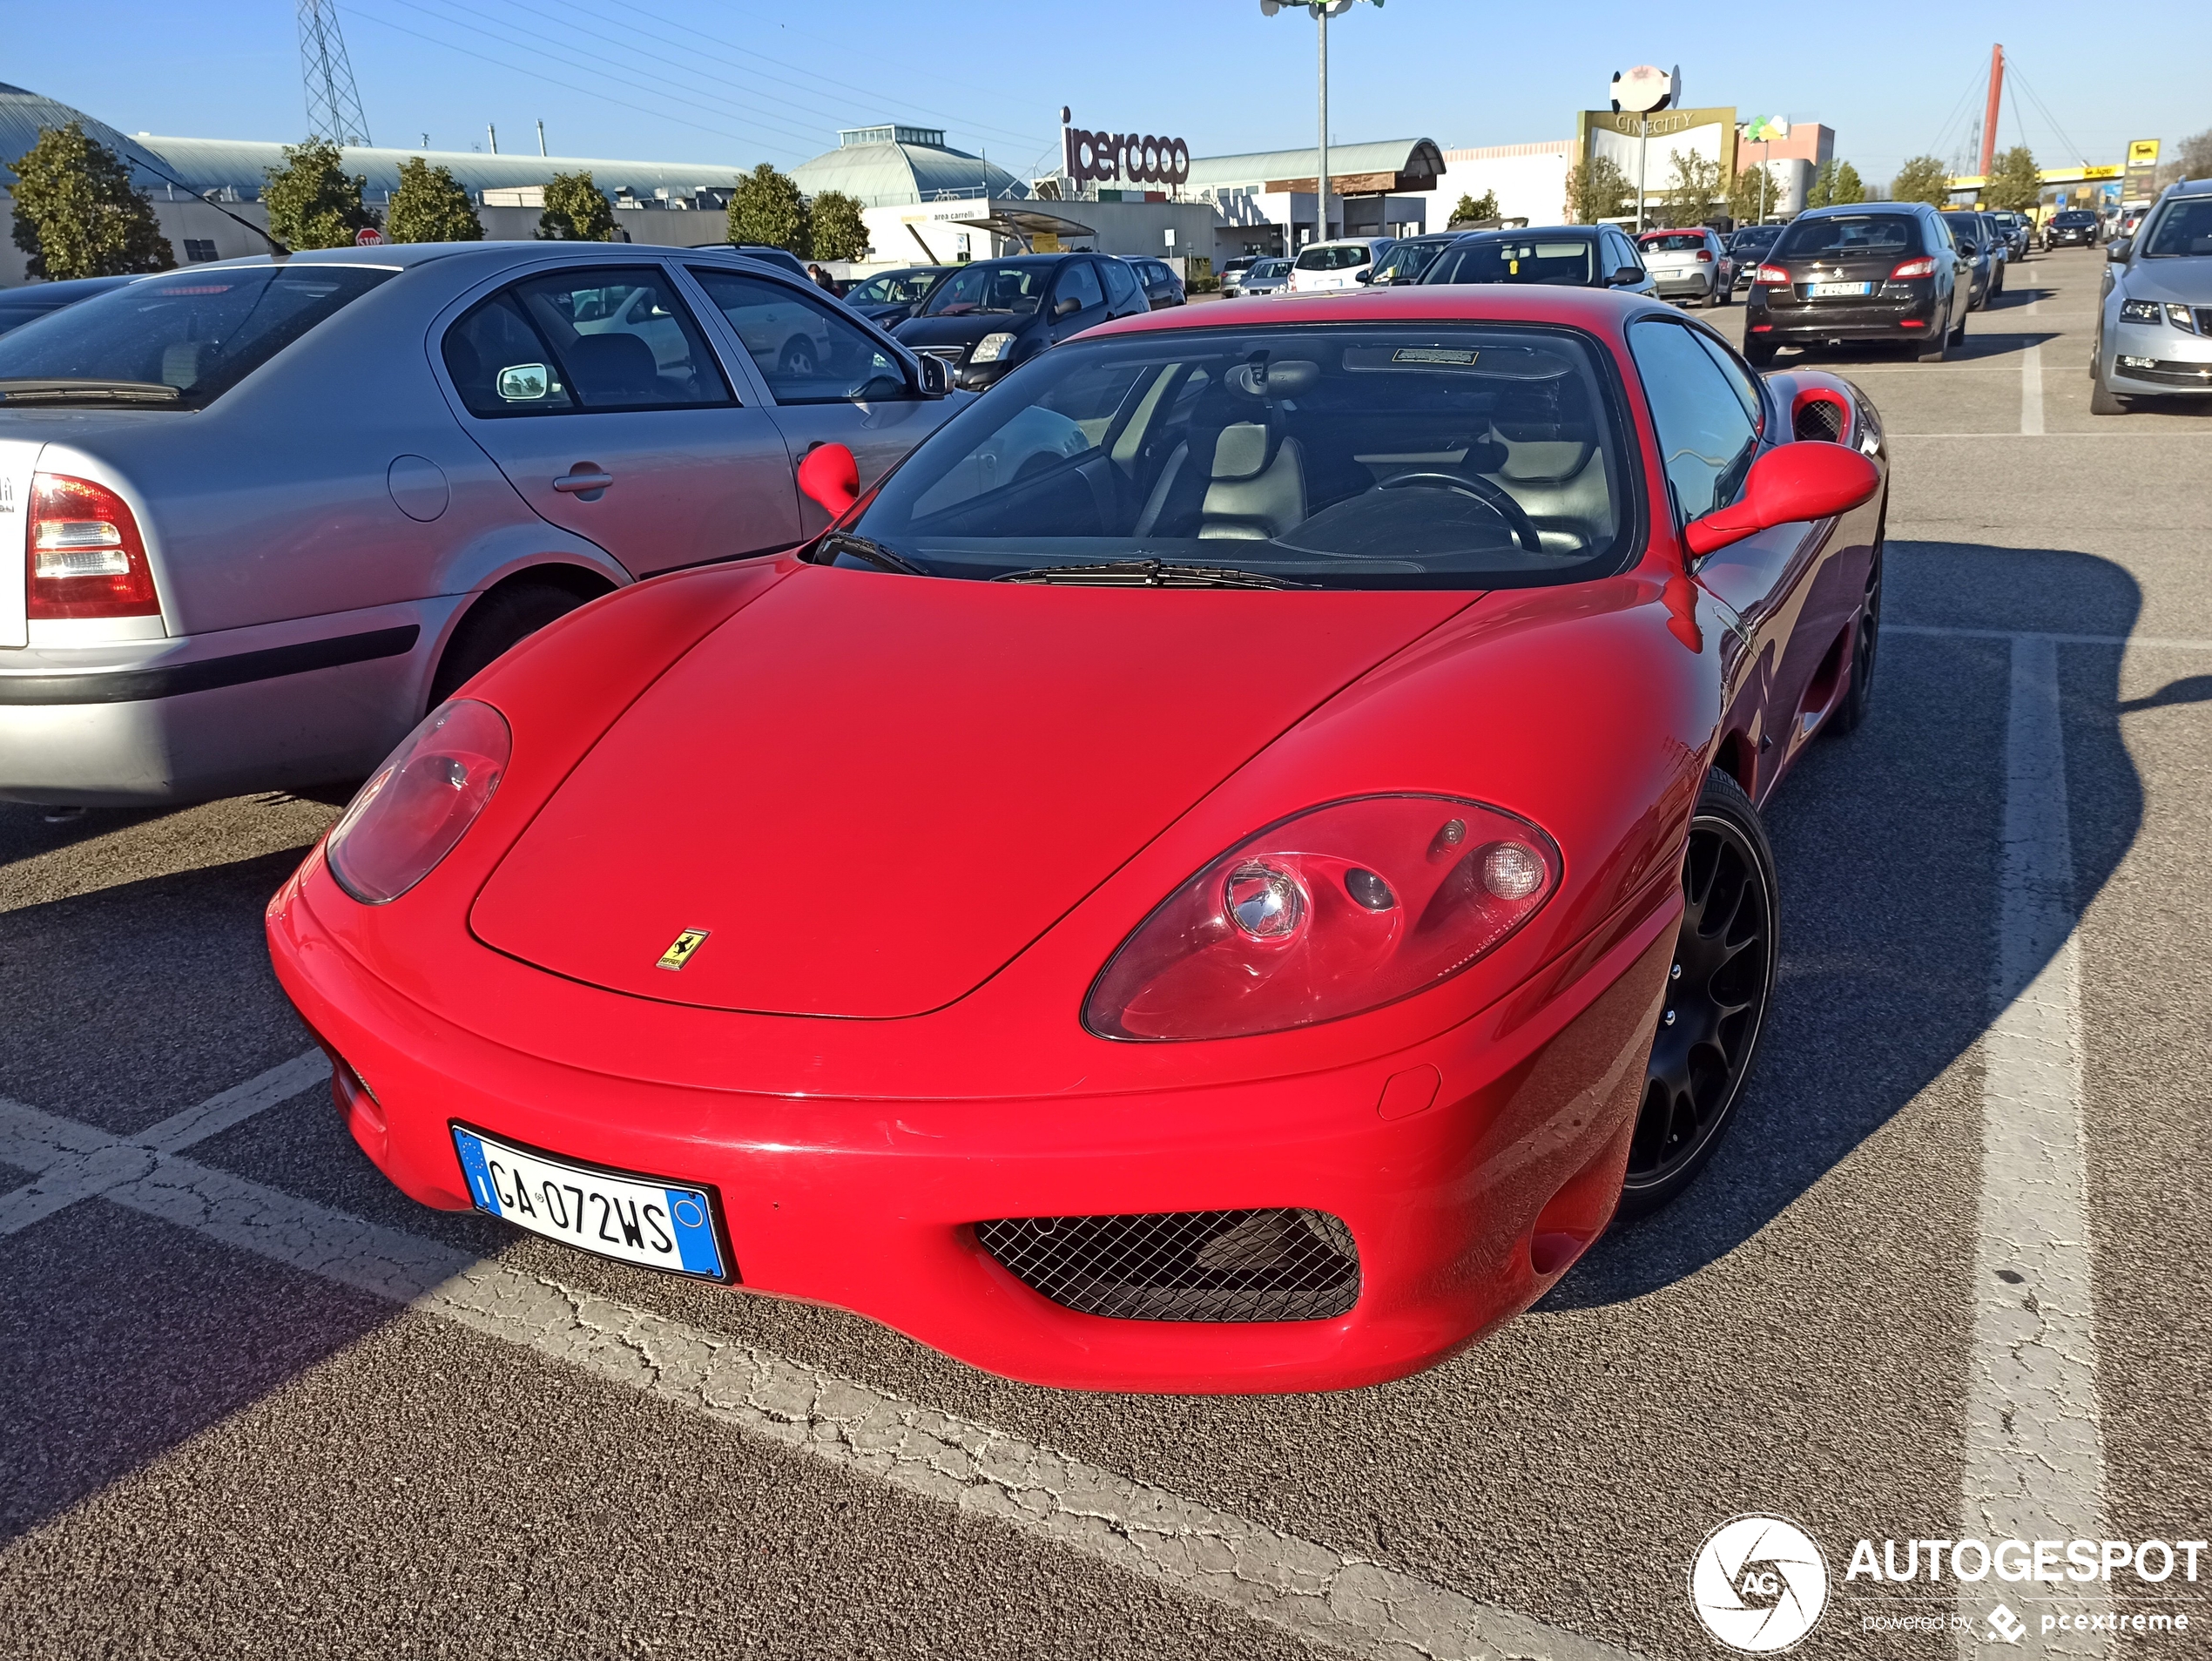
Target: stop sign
x: 367, y: 237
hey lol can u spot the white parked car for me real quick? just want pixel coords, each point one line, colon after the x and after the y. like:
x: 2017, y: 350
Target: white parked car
x: 1348, y: 262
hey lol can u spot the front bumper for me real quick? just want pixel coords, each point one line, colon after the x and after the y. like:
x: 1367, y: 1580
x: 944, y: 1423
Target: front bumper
x: 303, y: 701
x: 1778, y: 318
x: 1464, y: 1211
x: 2154, y: 359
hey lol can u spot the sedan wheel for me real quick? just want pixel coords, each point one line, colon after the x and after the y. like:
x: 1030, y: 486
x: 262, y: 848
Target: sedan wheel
x: 1718, y: 992
x: 798, y: 360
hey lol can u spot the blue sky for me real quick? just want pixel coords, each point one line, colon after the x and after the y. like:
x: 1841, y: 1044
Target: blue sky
x: 745, y: 82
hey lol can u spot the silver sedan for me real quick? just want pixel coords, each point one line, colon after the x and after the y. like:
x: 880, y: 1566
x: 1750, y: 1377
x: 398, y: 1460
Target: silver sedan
x: 256, y: 518
x: 2155, y: 317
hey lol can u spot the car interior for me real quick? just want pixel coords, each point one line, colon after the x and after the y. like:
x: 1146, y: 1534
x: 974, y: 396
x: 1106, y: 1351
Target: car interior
x: 1572, y: 261
x: 1332, y: 456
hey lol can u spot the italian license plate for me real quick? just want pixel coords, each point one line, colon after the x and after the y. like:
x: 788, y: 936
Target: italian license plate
x: 1839, y: 290
x: 617, y: 1214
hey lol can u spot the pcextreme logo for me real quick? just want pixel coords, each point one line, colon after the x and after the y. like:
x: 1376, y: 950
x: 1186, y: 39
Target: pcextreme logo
x: 1759, y: 1583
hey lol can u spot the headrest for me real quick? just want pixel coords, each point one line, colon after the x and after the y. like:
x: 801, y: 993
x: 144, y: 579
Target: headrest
x: 181, y: 361
x: 614, y: 365
x: 1243, y: 452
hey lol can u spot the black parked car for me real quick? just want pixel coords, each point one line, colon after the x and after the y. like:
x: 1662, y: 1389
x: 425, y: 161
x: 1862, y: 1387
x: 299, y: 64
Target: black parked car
x: 1573, y: 256
x: 1161, y: 286
x: 35, y: 300
x: 782, y: 259
x: 1885, y: 270
x: 2073, y: 227
x: 988, y: 316
x: 1409, y: 262
x: 890, y: 297
x: 1977, y: 240
x: 1748, y: 246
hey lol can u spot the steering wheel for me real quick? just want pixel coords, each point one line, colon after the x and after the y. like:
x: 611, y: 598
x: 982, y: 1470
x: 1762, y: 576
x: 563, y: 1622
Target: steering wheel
x: 1498, y: 502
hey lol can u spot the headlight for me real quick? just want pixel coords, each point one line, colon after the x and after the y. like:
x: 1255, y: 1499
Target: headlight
x: 2179, y: 316
x: 991, y: 348
x: 408, y: 816
x: 1332, y: 912
x: 2139, y: 311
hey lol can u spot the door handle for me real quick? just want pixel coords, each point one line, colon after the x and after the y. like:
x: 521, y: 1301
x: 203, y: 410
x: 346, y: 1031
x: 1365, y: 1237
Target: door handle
x: 582, y: 480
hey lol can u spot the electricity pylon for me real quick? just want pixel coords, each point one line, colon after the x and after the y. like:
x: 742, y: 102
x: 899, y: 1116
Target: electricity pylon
x: 333, y: 101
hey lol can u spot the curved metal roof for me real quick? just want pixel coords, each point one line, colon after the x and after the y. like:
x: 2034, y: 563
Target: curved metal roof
x: 1418, y: 157
x: 880, y: 175
x: 24, y: 114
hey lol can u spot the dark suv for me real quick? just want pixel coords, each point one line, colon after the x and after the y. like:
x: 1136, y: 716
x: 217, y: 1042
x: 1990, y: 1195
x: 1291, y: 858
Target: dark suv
x: 2073, y: 228
x: 1875, y: 270
x: 988, y: 316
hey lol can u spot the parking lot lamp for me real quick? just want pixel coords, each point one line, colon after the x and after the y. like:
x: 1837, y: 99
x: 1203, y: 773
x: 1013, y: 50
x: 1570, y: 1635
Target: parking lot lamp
x: 1322, y: 11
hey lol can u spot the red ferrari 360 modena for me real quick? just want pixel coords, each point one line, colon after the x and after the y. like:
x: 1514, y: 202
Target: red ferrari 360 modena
x: 1221, y: 872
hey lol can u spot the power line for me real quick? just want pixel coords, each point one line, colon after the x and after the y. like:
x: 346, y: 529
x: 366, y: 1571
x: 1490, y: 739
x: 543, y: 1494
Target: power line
x: 2072, y: 149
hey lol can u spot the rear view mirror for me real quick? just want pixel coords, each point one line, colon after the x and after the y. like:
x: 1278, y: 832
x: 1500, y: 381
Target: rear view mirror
x: 1363, y: 274
x: 829, y: 476
x: 1806, y: 480
x: 936, y: 378
x: 1623, y: 275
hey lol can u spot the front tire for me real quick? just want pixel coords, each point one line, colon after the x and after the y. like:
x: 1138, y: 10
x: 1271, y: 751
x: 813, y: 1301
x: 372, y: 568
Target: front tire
x: 1718, y: 992
x: 2102, y: 402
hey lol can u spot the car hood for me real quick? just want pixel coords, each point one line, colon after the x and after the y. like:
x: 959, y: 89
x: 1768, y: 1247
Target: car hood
x: 871, y: 792
x: 964, y: 330
x: 2188, y: 280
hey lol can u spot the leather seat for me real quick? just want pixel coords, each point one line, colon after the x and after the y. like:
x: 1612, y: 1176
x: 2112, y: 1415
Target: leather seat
x: 1254, y: 495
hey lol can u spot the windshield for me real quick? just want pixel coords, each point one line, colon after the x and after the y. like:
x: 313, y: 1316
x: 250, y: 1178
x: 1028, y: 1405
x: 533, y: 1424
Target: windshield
x: 895, y: 287
x: 1405, y: 263
x: 1572, y: 260
x: 2073, y: 217
x: 1339, y: 456
x: 1848, y: 236
x: 1673, y: 243
x: 1271, y: 269
x: 1754, y: 236
x: 201, y: 332
x: 1341, y: 258
x: 2182, y: 227
x: 1017, y: 289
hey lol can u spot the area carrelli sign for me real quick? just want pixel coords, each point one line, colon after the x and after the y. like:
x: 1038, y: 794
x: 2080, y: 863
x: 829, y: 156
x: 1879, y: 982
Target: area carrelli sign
x: 1143, y: 158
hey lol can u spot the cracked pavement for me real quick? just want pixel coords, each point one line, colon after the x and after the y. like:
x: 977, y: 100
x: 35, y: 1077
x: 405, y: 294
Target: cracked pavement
x: 253, y: 1402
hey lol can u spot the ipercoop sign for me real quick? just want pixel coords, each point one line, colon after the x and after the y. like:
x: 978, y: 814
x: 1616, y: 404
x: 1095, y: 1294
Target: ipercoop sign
x: 1142, y: 159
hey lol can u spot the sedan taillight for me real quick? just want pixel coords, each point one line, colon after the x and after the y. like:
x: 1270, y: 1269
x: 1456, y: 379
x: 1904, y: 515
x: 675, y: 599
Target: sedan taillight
x: 1921, y: 267
x: 1773, y: 277
x: 86, y: 559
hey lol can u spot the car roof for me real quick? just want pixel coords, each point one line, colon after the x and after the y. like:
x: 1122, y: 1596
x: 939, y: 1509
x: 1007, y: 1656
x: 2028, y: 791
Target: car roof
x: 1599, y: 310
x: 1838, y: 210
x: 2190, y: 187
x: 1533, y: 230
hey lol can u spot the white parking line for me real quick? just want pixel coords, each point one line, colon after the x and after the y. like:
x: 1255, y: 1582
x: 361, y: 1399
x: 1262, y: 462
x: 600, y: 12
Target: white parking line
x: 2034, y: 1466
x: 2032, y: 391
x: 1313, y: 1592
x: 2167, y: 642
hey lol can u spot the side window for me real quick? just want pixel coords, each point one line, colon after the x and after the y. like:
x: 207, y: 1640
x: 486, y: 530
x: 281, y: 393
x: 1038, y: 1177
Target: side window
x: 1078, y: 281
x: 1122, y: 287
x: 1706, y: 438
x: 590, y: 340
x: 1741, y: 380
x: 807, y: 354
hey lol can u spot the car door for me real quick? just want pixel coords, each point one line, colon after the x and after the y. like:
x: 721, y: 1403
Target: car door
x: 595, y: 390
x: 1079, y: 280
x: 1125, y: 295
x: 850, y: 387
x: 1709, y: 413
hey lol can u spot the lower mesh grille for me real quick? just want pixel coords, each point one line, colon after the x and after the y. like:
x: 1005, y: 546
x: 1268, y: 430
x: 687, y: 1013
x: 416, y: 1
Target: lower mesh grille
x: 1817, y: 418
x: 1186, y: 1266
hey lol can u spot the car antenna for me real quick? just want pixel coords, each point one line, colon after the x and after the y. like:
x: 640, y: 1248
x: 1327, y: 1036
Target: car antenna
x: 281, y: 250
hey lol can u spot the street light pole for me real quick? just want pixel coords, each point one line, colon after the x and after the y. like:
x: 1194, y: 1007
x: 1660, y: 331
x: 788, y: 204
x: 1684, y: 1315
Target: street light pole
x: 1322, y: 11
x: 1643, y: 163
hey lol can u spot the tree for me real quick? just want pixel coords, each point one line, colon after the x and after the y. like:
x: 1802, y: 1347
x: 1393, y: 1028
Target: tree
x: 1473, y: 210
x: 312, y: 202
x: 1751, y: 195
x: 1596, y: 190
x: 1846, y: 187
x: 838, y: 231
x: 767, y: 209
x: 430, y: 206
x: 76, y: 214
x: 576, y: 211
x: 1922, y: 178
x: 2191, y: 159
x: 1689, y: 196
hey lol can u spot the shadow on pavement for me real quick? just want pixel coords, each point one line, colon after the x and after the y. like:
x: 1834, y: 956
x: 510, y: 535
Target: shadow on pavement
x: 1888, y: 843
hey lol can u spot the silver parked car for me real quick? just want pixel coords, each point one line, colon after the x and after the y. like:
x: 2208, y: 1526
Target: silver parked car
x: 1690, y: 264
x: 256, y: 518
x: 2155, y: 322
x: 1270, y: 276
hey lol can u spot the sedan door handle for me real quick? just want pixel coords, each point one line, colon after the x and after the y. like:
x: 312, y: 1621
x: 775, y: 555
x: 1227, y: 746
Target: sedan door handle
x: 583, y: 481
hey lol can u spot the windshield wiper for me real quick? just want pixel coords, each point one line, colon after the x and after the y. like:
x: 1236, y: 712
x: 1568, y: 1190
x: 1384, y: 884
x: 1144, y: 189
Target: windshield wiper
x: 874, y: 552
x: 1148, y: 573
x: 86, y: 390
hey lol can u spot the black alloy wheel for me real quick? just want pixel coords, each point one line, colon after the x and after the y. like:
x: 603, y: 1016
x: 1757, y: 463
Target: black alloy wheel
x: 1866, y: 638
x: 1718, y: 991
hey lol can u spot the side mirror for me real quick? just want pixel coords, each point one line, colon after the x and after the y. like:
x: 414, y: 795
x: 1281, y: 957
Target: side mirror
x: 1365, y: 273
x: 829, y: 476
x: 1797, y: 481
x: 1066, y: 308
x: 1622, y: 276
x: 936, y: 376
x: 2116, y: 251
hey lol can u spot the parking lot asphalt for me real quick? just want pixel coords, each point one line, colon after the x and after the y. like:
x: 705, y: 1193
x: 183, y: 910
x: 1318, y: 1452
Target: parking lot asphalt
x: 253, y: 1401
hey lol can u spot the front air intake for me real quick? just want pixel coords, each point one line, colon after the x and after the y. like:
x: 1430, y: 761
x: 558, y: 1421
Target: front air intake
x: 1243, y: 1266
x: 1819, y: 418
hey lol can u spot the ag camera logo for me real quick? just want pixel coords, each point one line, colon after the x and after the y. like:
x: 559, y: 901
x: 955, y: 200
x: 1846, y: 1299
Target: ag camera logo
x: 1759, y: 1583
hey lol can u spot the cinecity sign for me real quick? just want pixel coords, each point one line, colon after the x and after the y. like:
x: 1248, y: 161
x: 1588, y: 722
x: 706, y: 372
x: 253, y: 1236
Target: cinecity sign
x: 1143, y: 159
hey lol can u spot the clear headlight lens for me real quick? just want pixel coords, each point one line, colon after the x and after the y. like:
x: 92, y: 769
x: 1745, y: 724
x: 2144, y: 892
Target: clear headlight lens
x: 2140, y: 311
x: 1332, y: 912
x: 2181, y: 317
x: 414, y: 809
x: 991, y: 348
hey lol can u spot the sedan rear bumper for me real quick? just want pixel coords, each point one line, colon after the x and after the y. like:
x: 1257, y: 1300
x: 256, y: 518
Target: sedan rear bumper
x: 1789, y: 321
x: 1468, y: 1178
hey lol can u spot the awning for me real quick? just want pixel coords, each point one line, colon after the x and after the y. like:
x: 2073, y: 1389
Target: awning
x: 1024, y: 225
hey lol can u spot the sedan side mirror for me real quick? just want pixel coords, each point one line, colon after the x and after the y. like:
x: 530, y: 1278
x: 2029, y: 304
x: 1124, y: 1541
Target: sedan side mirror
x: 2116, y: 251
x: 1066, y: 308
x: 936, y: 376
x: 1365, y: 273
x: 1623, y: 275
x: 829, y: 476
x: 1809, y: 479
